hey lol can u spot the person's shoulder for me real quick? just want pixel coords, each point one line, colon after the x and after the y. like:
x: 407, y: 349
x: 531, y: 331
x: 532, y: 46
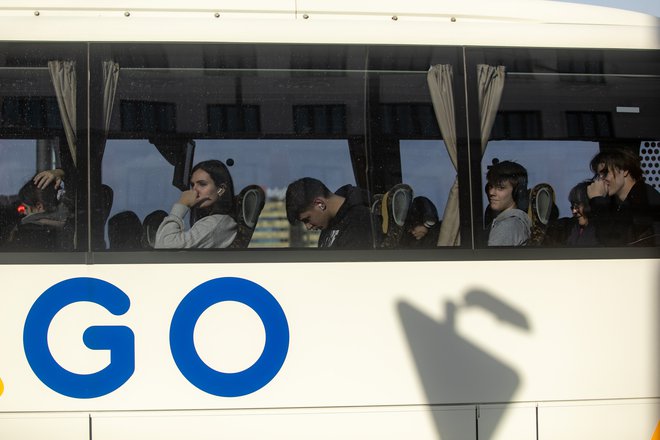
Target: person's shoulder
x: 513, y: 215
x: 652, y: 195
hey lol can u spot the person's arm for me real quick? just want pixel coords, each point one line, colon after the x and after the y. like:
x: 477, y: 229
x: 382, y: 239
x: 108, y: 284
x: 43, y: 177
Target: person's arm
x: 171, y: 233
x: 207, y: 232
x: 47, y: 177
x: 605, y: 220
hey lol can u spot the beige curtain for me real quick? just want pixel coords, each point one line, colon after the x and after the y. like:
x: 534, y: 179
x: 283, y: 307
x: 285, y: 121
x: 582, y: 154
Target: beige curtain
x: 440, y: 79
x: 110, y: 79
x: 491, y: 84
x: 63, y: 75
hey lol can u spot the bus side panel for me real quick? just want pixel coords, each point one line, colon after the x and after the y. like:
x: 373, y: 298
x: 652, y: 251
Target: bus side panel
x: 330, y: 423
x: 44, y: 426
x: 609, y: 420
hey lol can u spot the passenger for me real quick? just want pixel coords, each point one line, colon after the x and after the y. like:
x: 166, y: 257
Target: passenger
x: 211, y: 202
x: 344, y: 220
x: 422, y: 224
x: 507, y: 192
x: 46, y: 222
x: 581, y: 232
x: 624, y: 210
x: 125, y: 231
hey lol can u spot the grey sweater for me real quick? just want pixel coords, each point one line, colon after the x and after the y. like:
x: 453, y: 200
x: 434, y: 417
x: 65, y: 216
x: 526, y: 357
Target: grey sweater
x: 212, y: 231
x: 510, y: 228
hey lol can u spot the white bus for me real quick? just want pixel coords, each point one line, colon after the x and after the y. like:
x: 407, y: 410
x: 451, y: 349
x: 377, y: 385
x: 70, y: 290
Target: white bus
x: 103, y: 337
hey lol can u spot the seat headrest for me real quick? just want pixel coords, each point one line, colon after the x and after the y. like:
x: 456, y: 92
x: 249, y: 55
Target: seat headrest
x: 251, y: 202
x: 542, y: 201
x: 395, y: 205
x: 401, y: 199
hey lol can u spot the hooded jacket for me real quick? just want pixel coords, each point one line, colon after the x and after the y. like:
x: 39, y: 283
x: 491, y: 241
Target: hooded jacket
x: 510, y: 228
x: 352, y: 226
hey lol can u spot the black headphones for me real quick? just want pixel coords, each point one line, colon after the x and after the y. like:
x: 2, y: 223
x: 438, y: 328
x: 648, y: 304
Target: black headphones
x: 520, y: 191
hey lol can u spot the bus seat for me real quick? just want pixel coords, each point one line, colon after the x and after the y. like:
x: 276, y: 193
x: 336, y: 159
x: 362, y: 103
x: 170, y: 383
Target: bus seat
x: 125, y: 231
x: 541, y: 211
x: 150, y: 226
x: 249, y: 203
x: 392, y: 209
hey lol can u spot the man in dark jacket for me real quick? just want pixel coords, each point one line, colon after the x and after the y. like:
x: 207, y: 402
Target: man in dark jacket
x: 624, y: 210
x: 343, y: 218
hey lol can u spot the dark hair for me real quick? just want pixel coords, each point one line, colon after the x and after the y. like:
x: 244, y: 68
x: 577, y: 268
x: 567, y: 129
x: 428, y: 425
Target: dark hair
x: 221, y: 177
x: 513, y: 173
x: 421, y: 210
x: 578, y: 196
x: 301, y: 194
x: 622, y: 159
x: 31, y: 194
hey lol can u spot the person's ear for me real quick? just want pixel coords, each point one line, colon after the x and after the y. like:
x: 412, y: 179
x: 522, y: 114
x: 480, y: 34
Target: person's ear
x: 319, y: 203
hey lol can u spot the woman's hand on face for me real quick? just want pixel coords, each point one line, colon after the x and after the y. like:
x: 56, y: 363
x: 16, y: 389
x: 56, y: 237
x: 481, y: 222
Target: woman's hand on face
x: 190, y: 198
x: 45, y: 178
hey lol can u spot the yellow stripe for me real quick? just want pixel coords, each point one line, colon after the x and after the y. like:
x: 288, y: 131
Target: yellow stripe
x: 383, y: 212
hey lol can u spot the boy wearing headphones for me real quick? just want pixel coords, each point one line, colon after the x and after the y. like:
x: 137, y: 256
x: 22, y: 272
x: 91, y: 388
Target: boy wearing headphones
x: 507, y: 197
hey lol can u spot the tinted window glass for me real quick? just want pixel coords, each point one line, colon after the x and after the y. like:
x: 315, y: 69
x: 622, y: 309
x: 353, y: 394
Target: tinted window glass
x: 36, y: 82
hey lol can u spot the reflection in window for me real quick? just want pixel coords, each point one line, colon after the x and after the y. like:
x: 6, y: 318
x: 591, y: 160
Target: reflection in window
x: 147, y: 116
x: 408, y: 120
x: 517, y: 125
x: 319, y: 119
x: 233, y: 118
x: 589, y: 124
x: 30, y: 112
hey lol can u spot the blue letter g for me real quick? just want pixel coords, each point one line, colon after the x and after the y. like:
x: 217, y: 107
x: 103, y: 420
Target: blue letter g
x: 118, y: 339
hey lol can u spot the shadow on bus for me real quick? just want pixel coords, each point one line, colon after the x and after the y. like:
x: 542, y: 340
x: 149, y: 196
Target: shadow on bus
x: 456, y: 372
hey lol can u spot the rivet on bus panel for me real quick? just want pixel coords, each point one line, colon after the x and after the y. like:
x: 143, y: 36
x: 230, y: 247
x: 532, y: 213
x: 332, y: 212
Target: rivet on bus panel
x: 305, y: 16
x: 395, y: 18
x: 453, y: 19
x: 36, y: 13
x: 216, y: 15
x: 127, y: 14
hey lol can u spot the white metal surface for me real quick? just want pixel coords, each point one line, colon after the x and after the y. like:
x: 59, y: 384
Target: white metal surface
x: 504, y: 23
x: 371, y: 344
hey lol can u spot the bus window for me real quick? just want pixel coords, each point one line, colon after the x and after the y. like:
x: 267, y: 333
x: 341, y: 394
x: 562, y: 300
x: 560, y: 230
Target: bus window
x: 558, y: 111
x: 408, y: 147
x: 36, y: 140
x: 269, y: 116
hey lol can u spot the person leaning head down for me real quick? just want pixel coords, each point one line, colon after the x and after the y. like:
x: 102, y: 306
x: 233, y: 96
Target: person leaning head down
x: 343, y: 218
x: 38, y: 199
x: 302, y: 196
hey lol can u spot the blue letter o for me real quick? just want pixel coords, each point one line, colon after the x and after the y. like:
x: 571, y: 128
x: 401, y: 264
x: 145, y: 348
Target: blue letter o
x: 183, y: 347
